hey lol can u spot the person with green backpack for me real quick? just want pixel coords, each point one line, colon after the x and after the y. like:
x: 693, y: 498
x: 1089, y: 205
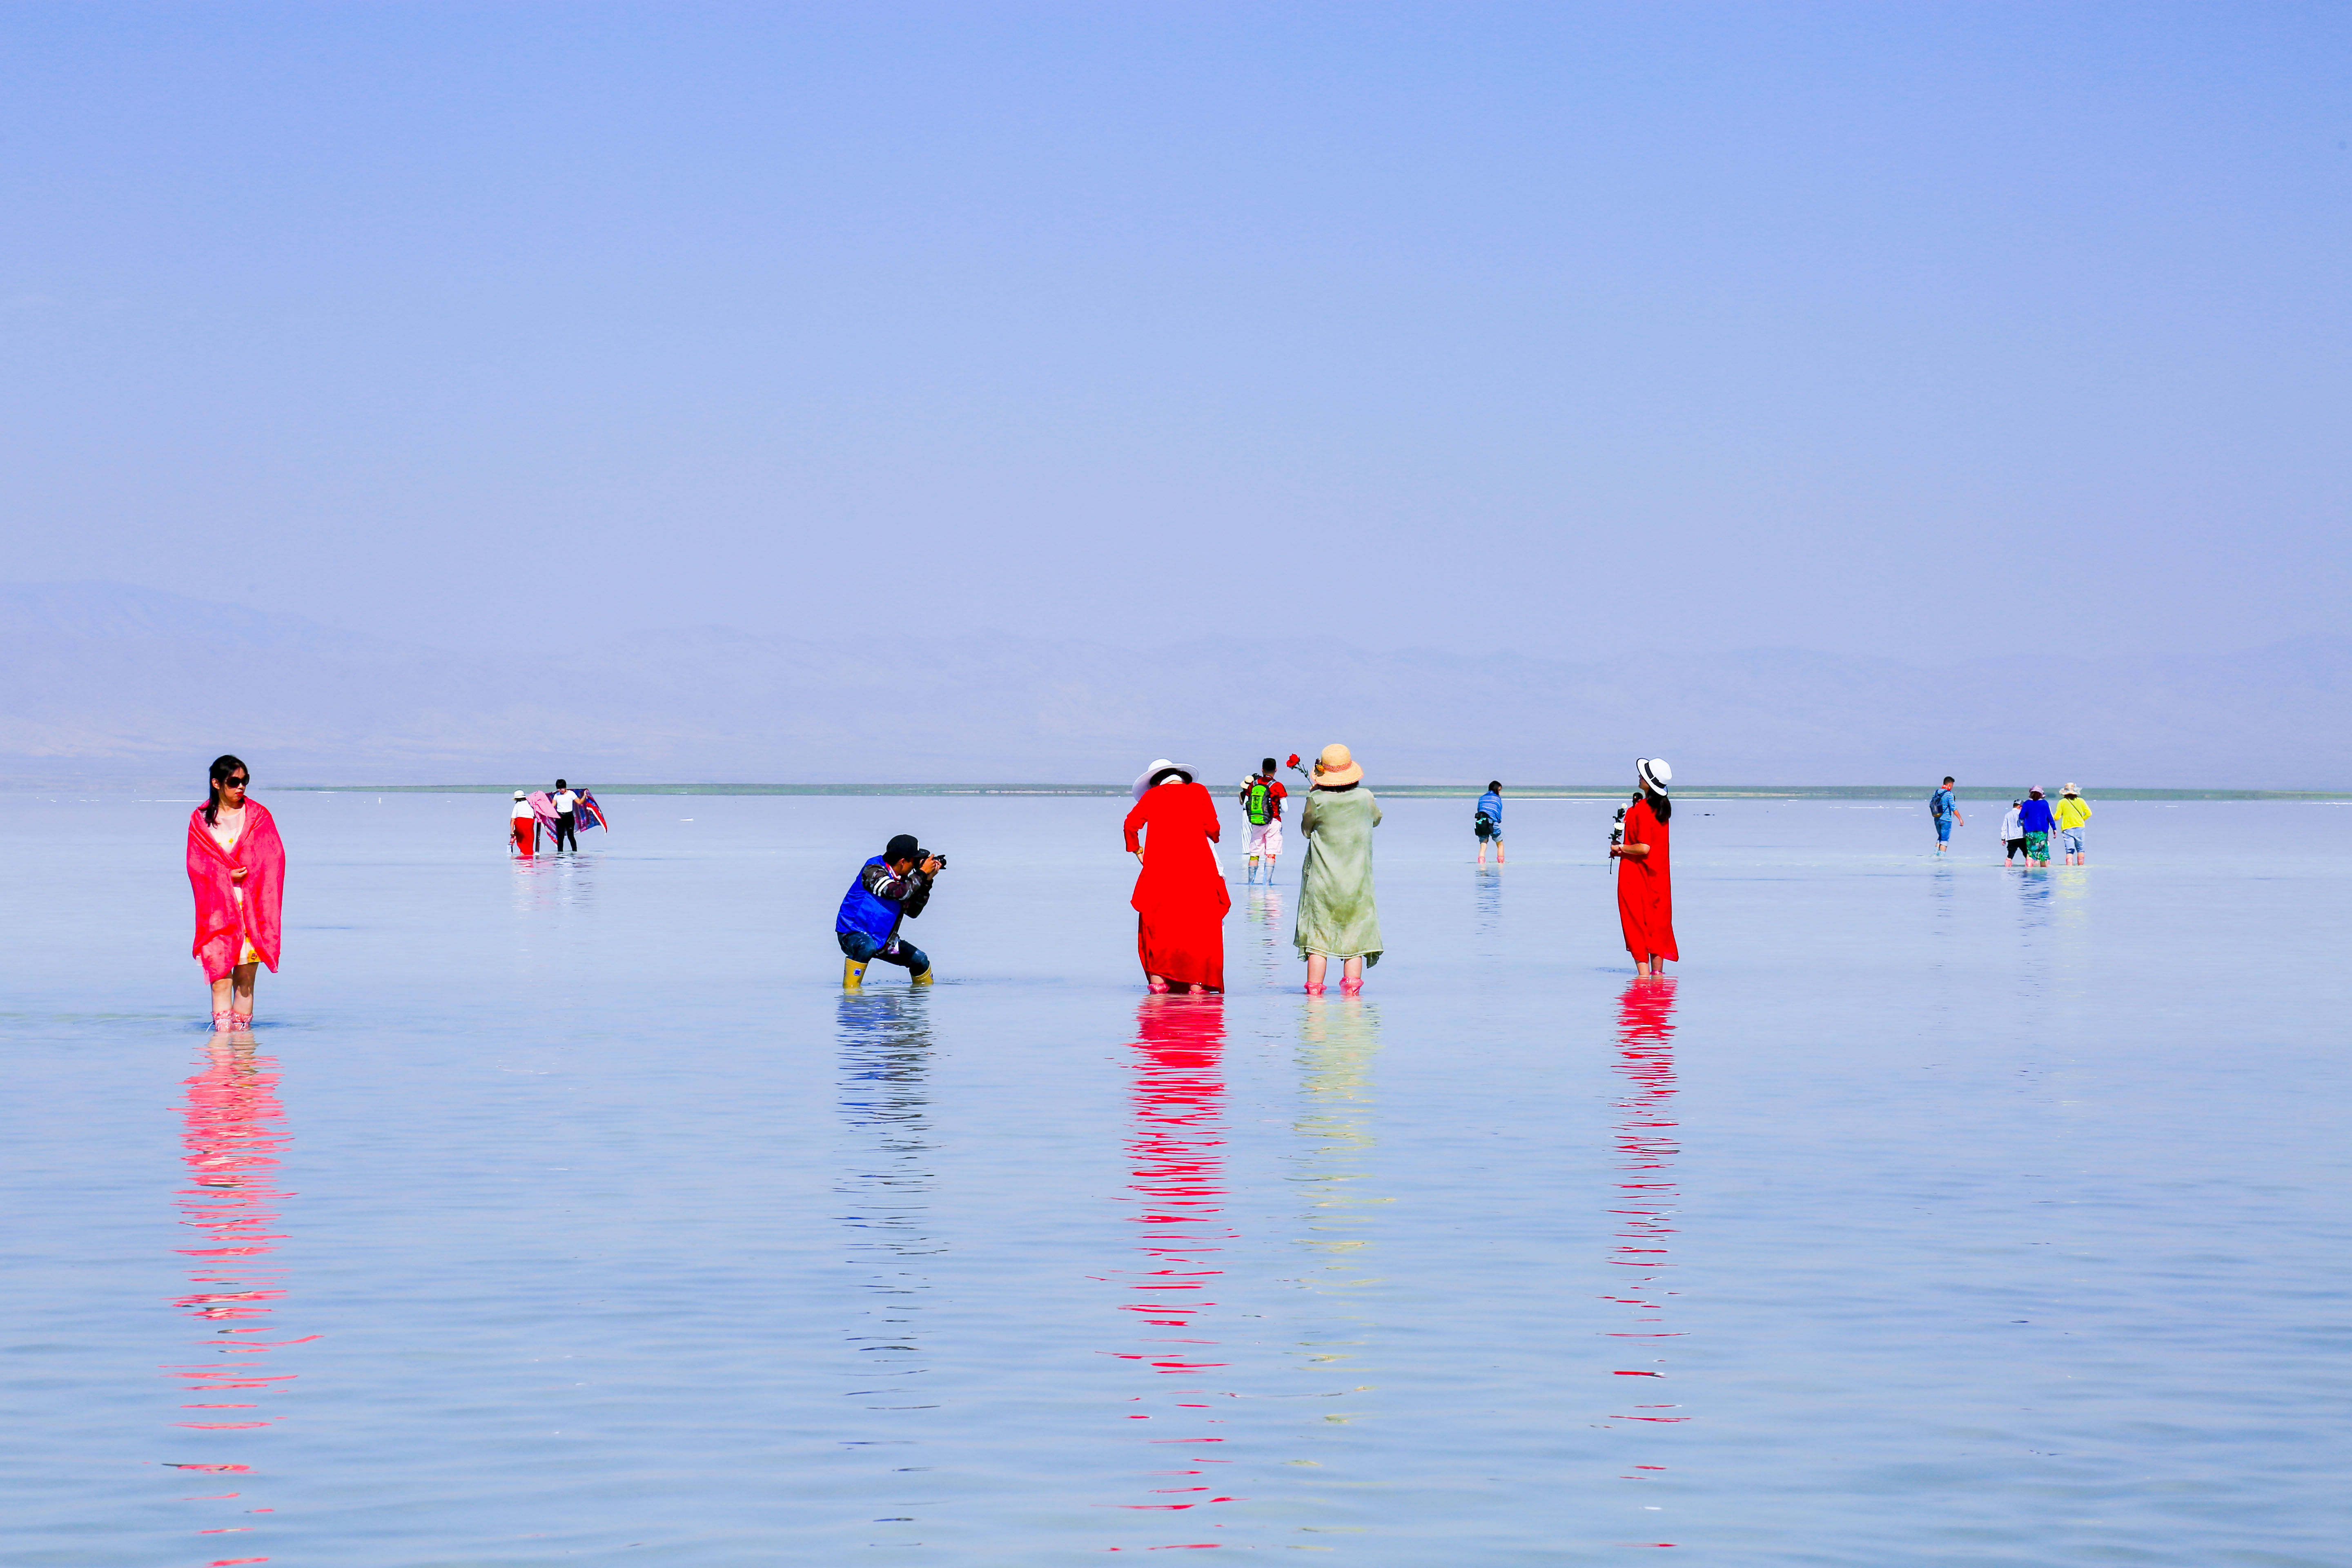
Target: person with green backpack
x: 1262, y: 797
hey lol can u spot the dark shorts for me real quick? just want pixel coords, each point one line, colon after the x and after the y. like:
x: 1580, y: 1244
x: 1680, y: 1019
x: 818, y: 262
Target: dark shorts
x: 1485, y: 829
x: 2015, y: 846
x: 856, y: 944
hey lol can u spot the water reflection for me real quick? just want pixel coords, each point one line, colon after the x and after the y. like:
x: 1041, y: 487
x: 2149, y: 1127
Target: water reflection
x: 886, y: 1185
x: 1268, y: 949
x: 1647, y: 1198
x: 1487, y: 909
x: 1338, y: 1040
x: 1177, y: 1187
x: 550, y: 881
x: 233, y: 1138
x: 2033, y: 902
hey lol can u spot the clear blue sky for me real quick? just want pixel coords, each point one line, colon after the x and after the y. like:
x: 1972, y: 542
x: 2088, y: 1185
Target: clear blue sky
x: 1887, y: 329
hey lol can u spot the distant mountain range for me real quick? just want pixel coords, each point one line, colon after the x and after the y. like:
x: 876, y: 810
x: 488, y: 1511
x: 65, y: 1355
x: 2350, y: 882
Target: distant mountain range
x: 106, y: 681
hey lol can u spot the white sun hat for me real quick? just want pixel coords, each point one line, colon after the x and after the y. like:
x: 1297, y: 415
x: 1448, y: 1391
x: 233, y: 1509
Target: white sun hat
x: 1158, y: 771
x: 1655, y: 772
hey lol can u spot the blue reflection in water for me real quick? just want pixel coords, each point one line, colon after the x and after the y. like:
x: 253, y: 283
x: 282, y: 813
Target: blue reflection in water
x: 1488, y: 906
x: 1647, y: 1198
x: 887, y: 1180
x: 1174, y: 1151
x: 233, y: 1135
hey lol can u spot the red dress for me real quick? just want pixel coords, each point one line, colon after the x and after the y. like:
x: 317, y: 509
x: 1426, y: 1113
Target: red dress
x: 1180, y: 899
x: 1645, y: 887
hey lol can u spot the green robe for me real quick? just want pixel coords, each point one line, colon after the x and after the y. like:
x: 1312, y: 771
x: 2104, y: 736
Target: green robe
x: 1337, y: 915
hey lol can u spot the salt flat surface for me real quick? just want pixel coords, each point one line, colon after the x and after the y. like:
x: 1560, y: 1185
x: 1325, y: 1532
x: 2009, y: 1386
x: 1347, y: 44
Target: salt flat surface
x: 570, y: 1213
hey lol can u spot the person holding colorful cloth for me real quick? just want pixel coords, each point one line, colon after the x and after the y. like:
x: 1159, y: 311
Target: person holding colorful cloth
x: 236, y: 866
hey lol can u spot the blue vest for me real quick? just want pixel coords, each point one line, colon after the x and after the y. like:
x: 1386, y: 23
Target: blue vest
x: 861, y: 910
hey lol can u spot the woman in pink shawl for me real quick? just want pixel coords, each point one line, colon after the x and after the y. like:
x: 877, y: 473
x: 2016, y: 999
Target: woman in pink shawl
x: 236, y: 863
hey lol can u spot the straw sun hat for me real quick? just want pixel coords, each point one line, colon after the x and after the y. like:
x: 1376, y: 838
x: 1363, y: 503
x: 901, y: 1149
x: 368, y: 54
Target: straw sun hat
x: 1337, y: 766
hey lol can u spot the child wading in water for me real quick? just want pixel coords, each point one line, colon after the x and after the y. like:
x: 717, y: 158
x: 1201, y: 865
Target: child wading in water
x: 1262, y: 797
x: 1487, y: 821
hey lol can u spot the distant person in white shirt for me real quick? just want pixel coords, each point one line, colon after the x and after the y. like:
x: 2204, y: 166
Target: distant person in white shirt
x: 525, y: 823
x: 2012, y: 832
x: 567, y: 806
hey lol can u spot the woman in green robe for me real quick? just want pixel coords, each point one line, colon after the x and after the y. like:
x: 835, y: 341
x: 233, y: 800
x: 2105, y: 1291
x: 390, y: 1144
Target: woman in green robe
x: 1337, y: 915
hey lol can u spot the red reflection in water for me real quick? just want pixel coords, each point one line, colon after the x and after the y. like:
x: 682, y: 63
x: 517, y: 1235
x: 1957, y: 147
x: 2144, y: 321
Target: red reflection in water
x: 233, y: 1135
x: 1178, y: 1187
x: 1647, y: 1197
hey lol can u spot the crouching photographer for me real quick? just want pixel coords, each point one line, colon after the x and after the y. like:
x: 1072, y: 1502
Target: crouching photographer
x: 892, y: 887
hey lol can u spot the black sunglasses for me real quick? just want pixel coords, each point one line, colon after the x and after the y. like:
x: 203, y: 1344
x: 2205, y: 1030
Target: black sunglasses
x: 233, y: 784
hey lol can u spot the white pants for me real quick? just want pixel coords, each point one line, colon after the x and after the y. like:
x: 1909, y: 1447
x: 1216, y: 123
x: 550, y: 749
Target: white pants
x: 1265, y: 841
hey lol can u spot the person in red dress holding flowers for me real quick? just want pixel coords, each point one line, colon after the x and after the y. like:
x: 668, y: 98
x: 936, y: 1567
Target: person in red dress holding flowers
x: 1645, y: 889
x: 1180, y: 897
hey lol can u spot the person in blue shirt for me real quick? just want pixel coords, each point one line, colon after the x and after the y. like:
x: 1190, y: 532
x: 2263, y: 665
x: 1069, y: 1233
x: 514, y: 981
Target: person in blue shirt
x: 1944, y: 807
x: 887, y: 890
x: 1486, y: 822
x: 2036, y: 817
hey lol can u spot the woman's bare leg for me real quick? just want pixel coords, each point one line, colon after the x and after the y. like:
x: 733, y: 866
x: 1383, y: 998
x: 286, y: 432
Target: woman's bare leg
x: 1317, y: 967
x: 221, y: 995
x: 1351, y: 973
x: 244, y: 974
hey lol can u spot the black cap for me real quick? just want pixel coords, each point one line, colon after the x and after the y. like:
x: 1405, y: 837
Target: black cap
x: 902, y: 848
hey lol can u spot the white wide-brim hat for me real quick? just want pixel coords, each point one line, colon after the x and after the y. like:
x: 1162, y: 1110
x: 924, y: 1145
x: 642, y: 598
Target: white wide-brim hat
x: 1655, y: 772
x: 517, y: 795
x: 1158, y: 771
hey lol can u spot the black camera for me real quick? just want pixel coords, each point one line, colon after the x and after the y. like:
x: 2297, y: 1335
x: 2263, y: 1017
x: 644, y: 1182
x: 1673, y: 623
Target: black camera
x: 923, y: 855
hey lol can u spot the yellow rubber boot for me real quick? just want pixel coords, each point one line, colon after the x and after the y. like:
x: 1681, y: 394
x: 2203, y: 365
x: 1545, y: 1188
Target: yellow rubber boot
x: 922, y: 979
x: 853, y: 975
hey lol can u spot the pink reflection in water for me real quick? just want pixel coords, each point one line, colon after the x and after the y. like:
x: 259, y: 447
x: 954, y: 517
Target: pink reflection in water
x: 1178, y: 1188
x: 1647, y: 1196
x: 233, y: 1137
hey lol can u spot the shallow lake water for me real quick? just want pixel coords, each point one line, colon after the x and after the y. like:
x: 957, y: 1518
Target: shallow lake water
x: 569, y: 1212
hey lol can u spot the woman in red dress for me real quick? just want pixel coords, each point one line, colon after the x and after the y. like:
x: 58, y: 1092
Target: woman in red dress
x: 1179, y: 898
x: 1645, y: 887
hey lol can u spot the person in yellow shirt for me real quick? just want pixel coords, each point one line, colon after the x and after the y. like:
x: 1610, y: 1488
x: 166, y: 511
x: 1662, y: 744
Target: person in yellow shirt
x: 2073, y: 812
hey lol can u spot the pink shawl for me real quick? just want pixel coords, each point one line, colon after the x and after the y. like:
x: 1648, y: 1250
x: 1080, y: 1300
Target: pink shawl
x: 222, y: 927
x: 544, y: 819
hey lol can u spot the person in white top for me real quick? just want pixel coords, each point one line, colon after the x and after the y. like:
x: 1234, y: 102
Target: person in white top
x: 2012, y: 832
x: 567, y: 806
x: 525, y: 822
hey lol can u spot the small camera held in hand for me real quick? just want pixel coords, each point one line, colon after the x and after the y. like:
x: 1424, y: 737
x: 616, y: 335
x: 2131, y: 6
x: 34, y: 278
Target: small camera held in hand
x: 923, y: 857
